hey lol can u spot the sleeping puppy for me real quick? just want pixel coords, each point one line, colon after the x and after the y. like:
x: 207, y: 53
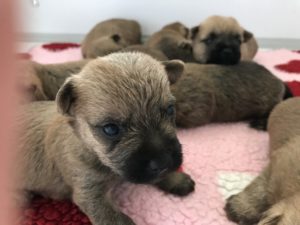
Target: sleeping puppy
x: 221, y: 40
x: 155, y: 53
x: 110, y: 36
x: 273, y: 198
x: 173, y: 41
x: 215, y: 93
x: 42, y: 81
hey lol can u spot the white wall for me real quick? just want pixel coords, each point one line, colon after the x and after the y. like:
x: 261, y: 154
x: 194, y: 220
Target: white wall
x: 266, y: 18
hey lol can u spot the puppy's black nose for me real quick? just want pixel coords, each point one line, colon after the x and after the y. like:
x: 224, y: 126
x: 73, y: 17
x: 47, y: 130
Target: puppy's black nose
x: 227, y: 52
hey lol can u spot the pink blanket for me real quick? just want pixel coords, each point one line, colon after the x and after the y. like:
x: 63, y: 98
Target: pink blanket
x: 222, y: 158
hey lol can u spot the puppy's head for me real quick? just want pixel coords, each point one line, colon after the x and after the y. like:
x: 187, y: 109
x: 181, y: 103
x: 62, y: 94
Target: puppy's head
x: 105, y: 45
x: 218, y: 40
x: 179, y: 28
x: 122, y: 109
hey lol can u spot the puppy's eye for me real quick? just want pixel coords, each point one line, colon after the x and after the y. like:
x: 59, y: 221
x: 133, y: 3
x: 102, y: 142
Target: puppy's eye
x: 208, y: 40
x: 111, y: 130
x: 238, y: 38
x: 170, y: 110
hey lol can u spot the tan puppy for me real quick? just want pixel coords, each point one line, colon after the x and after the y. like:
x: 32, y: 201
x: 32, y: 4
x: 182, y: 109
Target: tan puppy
x: 173, y: 41
x: 155, y: 53
x: 273, y: 198
x: 116, y: 122
x: 42, y: 81
x: 28, y: 83
x: 214, y: 93
x: 221, y: 40
x: 110, y: 36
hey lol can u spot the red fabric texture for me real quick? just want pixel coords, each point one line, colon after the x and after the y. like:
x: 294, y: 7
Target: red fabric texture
x: 60, y: 46
x: 50, y: 212
x: 292, y: 66
x: 294, y: 87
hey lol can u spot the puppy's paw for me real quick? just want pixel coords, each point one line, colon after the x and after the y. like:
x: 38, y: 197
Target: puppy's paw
x: 177, y: 183
x: 184, y: 186
x: 238, y: 213
x: 230, y: 211
x: 186, y: 45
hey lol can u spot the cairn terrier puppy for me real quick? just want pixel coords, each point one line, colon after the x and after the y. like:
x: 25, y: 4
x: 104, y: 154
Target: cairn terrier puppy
x: 110, y: 36
x: 42, y: 81
x: 173, y: 41
x: 215, y: 93
x: 113, y: 121
x: 221, y: 40
x: 273, y: 198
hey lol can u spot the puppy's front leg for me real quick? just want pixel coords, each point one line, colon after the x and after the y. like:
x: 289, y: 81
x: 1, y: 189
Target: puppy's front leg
x: 248, y: 206
x: 93, y: 199
x: 177, y: 183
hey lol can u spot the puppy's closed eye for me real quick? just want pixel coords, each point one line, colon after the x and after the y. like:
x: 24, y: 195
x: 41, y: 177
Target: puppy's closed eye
x: 238, y: 38
x: 209, y: 39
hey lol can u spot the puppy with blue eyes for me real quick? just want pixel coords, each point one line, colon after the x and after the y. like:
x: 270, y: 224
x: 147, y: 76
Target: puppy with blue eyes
x: 113, y: 121
x: 221, y: 40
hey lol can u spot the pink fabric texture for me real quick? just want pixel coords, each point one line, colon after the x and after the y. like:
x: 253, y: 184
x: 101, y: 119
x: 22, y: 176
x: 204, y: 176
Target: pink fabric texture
x: 209, y: 152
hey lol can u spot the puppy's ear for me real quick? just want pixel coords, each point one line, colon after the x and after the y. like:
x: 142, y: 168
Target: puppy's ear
x: 186, y: 45
x: 116, y: 38
x: 247, y: 35
x: 187, y: 32
x: 194, y: 32
x: 66, y: 97
x: 174, y: 69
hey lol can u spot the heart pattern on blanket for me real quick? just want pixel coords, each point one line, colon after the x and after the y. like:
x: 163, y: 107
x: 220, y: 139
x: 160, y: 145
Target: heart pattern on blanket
x: 50, y: 212
x: 60, y: 46
x: 292, y: 66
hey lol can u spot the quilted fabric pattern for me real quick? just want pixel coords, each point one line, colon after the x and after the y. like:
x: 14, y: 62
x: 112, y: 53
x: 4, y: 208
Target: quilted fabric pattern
x: 222, y: 159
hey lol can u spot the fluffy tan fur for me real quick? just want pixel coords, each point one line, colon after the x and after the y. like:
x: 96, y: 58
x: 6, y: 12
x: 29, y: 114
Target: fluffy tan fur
x: 273, y: 198
x: 64, y: 152
x: 215, y: 93
x: 155, y: 53
x: 42, y: 81
x: 221, y: 25
x: 173, y: 41
x: 110, y: 36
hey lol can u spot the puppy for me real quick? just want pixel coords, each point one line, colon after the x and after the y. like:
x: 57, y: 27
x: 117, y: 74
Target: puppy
x: 110, y: 36
x: 273, y: 198
x: 42, y: 81
x: 173, y: 41
x: 28, y: 84
x: 155, y: 53
x: 221, y: 40
x: 214, y: 93
x: 115, y: 121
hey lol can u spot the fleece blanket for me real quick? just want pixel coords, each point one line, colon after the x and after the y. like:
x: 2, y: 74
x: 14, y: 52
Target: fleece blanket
x: 221, y: 158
